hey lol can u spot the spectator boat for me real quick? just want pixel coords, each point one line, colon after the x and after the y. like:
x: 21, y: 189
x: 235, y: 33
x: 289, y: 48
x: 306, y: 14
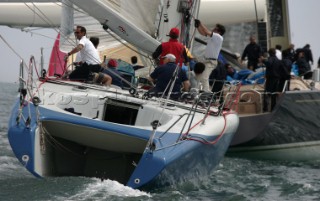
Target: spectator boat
x: 289, y: 133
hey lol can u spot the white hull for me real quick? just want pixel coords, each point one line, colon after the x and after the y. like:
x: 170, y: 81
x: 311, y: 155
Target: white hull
x: 304, y: 151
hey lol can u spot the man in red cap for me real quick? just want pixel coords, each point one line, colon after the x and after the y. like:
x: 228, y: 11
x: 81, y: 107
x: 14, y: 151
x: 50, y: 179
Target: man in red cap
x: 173, y: 46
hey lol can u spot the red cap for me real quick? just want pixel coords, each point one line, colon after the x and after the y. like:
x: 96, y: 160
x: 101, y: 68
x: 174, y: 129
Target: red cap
x: 112, y: 63
x: 174, y: 32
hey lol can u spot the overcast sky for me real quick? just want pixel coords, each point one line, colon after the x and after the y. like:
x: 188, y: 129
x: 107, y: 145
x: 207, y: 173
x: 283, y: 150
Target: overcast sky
x: 304, y: 24
x: 25, y: 45
x: 304, y: 16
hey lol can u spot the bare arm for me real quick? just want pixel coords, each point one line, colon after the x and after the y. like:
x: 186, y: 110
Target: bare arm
x: 151, y: 80
x: 186, y: 85
x: 76, y: 49
x: 203, y: 30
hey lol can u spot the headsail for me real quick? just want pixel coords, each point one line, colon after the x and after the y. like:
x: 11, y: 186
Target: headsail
x: 56, y: 64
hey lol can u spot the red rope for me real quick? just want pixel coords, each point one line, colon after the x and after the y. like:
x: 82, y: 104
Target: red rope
x: 229, y: 103
x: 217, y: 139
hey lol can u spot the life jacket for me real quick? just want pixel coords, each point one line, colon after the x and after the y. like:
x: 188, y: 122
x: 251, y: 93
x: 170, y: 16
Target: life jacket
x: 173, y: 46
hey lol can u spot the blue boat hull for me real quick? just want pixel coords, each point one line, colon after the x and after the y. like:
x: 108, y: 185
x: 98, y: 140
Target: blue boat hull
x: 168, y: 161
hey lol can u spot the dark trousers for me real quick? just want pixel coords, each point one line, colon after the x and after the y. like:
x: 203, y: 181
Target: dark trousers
x: 252, y: 64
x: 282, y: 83
x: 216, y: 89
x: 82, y: 72
x: 271, y: 89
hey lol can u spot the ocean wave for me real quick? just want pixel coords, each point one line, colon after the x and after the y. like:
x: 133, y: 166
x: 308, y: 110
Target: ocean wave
x: 105, y: 190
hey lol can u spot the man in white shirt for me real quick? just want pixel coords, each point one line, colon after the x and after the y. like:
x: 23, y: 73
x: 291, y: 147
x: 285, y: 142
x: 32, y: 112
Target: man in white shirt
x: 212, y: 50
x: 88, y: 53
x: 279, y: 52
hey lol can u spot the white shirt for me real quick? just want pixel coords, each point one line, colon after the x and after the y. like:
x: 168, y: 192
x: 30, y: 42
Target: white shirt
x: 88, y: 53
x: 214, y: 46
x: 278, y: 54
x: 78, y: 57
x: 194, y: 82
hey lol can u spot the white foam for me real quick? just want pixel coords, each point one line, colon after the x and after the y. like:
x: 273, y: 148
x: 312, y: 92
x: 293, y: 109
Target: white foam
x: 102, y: 190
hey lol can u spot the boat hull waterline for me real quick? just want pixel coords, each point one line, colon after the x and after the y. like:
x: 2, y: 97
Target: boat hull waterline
x: 56, y: 142
x: 290, y: 132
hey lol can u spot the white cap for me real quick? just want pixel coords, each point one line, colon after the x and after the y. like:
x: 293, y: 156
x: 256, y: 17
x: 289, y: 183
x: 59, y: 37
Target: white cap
x: 171, y: 57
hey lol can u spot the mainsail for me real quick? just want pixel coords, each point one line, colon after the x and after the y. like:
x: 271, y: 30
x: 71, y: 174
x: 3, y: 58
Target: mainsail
x: 141, y: 23
x: 127, y: 19
x: 145, y: 15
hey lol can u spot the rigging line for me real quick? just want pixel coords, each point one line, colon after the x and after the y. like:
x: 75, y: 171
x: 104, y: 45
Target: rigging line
x: 31, y: 25
x: 161, y: 14
x: 111, y: 34
x: 56, y: 144
x: 171, y: 84
x: 24, y: 63
x: 57, y: 30
x: 32, y: 60
x: 119, y: 76
x: 44, y: 18
x: 12, y: 49
x: 41, y: 17
x: 120, y: 41
x: 81, y: 11
x: 35, y: 33
x: 74, y: 8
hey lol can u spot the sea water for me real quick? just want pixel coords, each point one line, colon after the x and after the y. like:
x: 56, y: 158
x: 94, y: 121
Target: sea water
x: 234, y: 179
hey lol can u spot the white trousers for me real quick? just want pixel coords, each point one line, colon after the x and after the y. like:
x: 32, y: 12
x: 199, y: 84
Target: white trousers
x: 204, y: 77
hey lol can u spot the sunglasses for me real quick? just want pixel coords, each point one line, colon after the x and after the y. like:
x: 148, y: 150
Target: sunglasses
x: 76, y: 32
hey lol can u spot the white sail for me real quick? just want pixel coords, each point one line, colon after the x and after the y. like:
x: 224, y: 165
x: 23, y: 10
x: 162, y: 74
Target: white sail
x: 79, y: 17
x: 146, y: 18
x: 107, y: 16
x: 16, y: 14
x: 232, y: 11
x: 211, y: 12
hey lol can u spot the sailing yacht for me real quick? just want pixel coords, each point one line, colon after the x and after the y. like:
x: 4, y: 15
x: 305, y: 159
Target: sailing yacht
x: 60, y: 127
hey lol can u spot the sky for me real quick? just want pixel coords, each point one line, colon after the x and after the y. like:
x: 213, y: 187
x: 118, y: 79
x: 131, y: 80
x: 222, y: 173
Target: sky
x: 303, y: 21
x: 305, y: 29
x: 25, y: 44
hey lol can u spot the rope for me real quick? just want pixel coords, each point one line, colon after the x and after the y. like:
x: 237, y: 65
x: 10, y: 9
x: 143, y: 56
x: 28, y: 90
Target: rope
x: 56, y: 144
x: 204, y: 141
x: 4, y: 40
